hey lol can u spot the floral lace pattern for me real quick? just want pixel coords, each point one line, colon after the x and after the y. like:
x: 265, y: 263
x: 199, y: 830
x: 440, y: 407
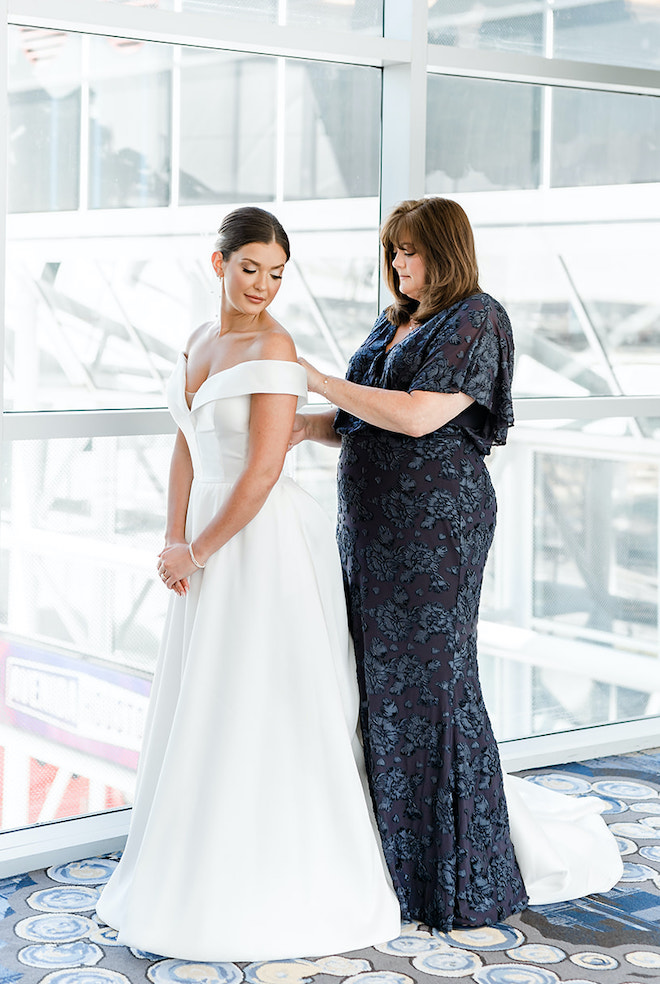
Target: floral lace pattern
x: 416, y: 520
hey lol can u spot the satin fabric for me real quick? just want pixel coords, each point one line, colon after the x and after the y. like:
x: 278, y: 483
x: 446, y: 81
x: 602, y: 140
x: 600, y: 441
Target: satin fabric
x: 252, y: 837
x: 563, y: 846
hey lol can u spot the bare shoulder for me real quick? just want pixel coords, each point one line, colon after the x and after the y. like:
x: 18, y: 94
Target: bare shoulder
x: 199, y: 335
x: 275, y: 342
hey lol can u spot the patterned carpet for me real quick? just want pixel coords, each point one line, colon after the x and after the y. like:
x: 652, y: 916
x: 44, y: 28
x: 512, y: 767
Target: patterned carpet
x: 50, y: 935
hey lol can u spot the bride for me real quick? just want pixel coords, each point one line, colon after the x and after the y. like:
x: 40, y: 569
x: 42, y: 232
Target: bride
x: 251, y: 836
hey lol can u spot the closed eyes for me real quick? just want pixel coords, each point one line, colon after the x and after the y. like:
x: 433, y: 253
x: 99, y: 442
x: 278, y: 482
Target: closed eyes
x: 273, y: 275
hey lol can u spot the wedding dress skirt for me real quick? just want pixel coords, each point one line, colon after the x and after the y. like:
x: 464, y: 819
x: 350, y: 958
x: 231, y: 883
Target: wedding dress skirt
x: 252, y: 835
x: 563, y: 846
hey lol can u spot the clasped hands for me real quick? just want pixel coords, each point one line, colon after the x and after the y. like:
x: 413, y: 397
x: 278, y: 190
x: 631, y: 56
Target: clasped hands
x: 175, y: 567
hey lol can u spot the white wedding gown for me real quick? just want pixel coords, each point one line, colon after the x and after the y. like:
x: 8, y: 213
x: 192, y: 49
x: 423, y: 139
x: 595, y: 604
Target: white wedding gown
x: 252, y: 836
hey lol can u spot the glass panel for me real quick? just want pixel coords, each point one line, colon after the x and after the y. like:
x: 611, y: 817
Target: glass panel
x: 569, y: 620
x: 580, y: 295
x: 365, y: 16
x: 612, y: 32
x: 329, y: 127
x: 80, y: 611
x: 481, y: 136
x: 100, y: 326
x: 487, y: 136
x: 581, y: 301
x: 495, y: 24
x: 332, y: 130
x: 43, y: 120
x: 129, y: 125
x: 252, y: 10
x: 601, y: 138
x: 330, y: 297
x: 596, y: 545
x: 228, y: 150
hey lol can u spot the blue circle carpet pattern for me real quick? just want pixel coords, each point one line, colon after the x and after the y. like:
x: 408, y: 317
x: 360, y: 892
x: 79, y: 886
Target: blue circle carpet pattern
x: 50, y: 934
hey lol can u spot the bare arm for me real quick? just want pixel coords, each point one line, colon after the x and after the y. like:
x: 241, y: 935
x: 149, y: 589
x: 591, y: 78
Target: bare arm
x: 181, y: 475
x: 271, y: 422
x: 415, y: 413
x: 178, y: 493
x: 315, y: 427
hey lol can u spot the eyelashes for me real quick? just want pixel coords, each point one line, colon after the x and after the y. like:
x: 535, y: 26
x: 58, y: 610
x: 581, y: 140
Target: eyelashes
x: 273, y: 275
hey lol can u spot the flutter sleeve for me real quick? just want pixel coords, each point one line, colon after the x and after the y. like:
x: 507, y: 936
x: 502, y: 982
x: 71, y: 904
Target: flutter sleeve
x: 472, y: 353
x: 365, y: 367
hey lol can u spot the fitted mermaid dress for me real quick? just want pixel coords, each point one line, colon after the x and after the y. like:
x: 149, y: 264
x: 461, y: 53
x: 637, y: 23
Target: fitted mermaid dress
x: 464, y: 846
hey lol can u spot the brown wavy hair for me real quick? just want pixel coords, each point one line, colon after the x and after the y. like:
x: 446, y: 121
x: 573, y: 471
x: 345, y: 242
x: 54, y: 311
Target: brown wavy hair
x: 440, y: 231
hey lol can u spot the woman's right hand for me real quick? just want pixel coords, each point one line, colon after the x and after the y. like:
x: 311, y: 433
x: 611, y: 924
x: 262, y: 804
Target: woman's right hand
x: 299, y: 432
x: 180, y: 586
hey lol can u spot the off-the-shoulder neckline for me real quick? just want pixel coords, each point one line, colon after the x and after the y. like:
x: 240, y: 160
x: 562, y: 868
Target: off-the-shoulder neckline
x: 221, y: 372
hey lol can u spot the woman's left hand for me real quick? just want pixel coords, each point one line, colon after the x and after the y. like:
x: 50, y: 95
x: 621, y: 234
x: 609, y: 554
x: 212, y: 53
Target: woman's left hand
x: 315, y: 379
x: 175, y: 567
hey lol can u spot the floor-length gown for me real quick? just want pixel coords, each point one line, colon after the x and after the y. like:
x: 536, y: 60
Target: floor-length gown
x: 416, y: 520
x: 252, y: 835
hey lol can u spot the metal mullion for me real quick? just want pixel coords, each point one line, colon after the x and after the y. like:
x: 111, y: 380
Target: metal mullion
x: 547, y: 94
x: 280, y: 130
x: 84, y: 148
x: 156, y: 226
x: 635, y: 649
x: 403, y: 116
x: 43, y: 425
x: 586, y: 407
x: 207, y: 31
x: 513, y: 67
x: 577, y: 444
x: 46, y: 424
x: 175, y: 129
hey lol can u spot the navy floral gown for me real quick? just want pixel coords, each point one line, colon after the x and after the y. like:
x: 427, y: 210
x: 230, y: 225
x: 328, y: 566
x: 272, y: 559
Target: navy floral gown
x: 416, y: 520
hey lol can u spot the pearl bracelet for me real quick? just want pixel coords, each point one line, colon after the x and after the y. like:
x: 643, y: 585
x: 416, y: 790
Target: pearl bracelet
x: 192, y: 557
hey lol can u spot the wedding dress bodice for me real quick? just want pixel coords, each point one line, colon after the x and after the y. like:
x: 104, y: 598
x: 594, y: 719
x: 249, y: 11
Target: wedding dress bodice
x: 216, y: 426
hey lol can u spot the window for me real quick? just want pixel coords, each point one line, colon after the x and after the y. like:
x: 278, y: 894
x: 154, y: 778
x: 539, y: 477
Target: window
x: 551, y: 177
x: 126, y: 146
x: 124, y: 157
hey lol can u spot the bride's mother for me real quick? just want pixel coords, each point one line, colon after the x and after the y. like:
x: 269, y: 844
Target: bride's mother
x: 425, y: 397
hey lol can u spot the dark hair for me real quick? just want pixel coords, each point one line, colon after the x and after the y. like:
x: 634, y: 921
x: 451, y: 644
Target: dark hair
x: 440, y: 231
x: 249, y: 225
